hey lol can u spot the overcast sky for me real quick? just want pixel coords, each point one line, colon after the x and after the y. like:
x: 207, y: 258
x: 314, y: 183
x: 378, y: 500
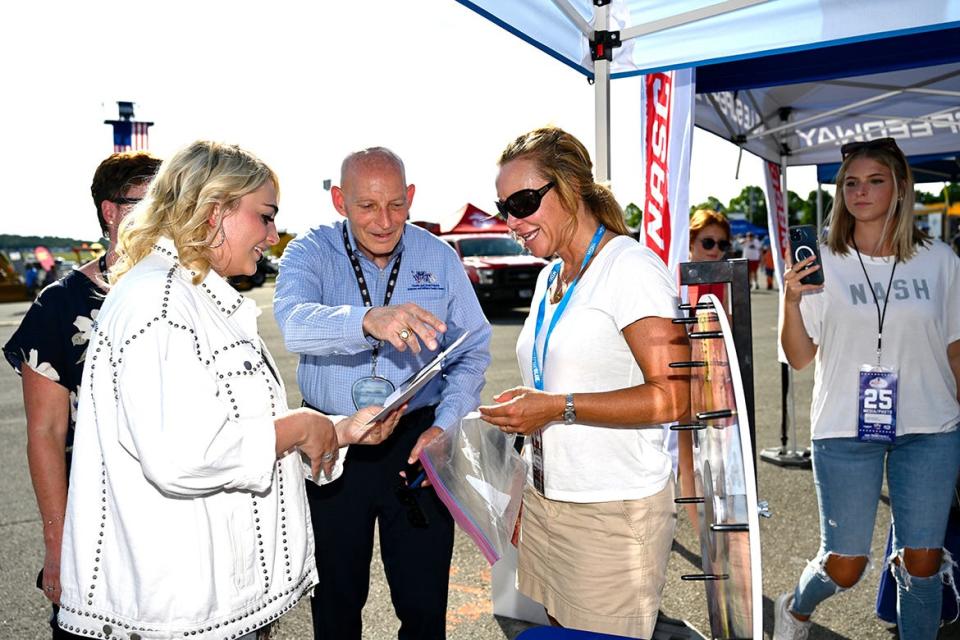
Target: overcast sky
x: 301, y: 85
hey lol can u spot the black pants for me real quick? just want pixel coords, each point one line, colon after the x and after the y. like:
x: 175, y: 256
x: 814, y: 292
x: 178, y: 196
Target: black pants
x: 416, y: 559
x: 57, y: 632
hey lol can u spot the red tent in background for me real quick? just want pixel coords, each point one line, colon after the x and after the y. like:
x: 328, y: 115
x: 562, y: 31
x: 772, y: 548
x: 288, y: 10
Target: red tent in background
x: 476, y: 220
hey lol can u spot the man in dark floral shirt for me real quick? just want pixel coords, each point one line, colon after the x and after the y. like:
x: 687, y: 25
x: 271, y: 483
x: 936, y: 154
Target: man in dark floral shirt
x: 48, y: 351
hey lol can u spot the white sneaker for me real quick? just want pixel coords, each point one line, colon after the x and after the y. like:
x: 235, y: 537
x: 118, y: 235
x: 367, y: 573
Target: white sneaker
x: 785, y: 626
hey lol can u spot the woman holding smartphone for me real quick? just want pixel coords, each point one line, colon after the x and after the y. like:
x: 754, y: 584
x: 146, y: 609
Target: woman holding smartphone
x: 884, y: 331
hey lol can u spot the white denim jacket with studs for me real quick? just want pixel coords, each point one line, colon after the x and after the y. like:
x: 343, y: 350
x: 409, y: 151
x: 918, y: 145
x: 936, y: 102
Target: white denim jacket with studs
x: 180, y: 521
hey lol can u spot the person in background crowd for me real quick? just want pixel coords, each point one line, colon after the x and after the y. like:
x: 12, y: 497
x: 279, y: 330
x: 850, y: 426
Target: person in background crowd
x: 751, y: 251
x: 598, y: 389
x: 31, y: 279
x: 768, y: 267
x: 709, y: 241
x: 48, y: 350
x: 884, y: 331
x: 50, y: 275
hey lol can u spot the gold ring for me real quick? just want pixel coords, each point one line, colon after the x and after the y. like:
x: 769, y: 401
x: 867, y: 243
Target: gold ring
x: 404, y: 334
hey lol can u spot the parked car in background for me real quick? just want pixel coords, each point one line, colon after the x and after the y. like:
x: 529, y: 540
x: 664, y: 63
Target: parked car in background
x: 501, y: 272
x: 12, y: 287
x: 266, y: 268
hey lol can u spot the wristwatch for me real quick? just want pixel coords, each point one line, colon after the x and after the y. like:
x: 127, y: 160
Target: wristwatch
x: 569, y: 413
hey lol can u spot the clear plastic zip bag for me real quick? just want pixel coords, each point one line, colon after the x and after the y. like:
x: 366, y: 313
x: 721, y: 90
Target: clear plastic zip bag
x: 479, y: 476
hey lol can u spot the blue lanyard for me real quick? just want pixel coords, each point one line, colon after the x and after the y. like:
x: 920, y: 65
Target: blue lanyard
x: 535, y: 359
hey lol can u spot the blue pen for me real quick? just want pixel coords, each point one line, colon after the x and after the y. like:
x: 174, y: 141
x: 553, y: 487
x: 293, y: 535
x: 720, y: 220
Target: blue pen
x: 416, y: 481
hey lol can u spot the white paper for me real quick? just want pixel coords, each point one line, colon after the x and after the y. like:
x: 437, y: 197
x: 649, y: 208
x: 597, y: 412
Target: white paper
x: 417, y: 381
x: 497, y: 499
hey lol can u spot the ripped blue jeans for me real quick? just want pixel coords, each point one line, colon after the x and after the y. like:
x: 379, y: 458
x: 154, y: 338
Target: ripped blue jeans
x: 921, y: 474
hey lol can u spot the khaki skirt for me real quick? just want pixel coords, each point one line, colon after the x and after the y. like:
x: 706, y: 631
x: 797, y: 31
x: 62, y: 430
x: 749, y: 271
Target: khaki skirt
x: 597, y: 566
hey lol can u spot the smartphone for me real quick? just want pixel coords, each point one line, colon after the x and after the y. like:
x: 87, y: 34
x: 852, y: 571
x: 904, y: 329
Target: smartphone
x: 803, y: 244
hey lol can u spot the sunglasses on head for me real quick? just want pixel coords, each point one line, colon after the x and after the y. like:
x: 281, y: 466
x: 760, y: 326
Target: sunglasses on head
x: 710, y: 243
x: 523, y: 203
x: 125, y: 200
x: 880, y: 143
x: 408, y: 498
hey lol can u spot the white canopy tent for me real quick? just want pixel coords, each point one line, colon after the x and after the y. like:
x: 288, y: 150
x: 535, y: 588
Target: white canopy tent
x: 746, y: 50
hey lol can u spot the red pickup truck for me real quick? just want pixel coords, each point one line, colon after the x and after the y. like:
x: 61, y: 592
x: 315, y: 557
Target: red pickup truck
x: 501, y: 272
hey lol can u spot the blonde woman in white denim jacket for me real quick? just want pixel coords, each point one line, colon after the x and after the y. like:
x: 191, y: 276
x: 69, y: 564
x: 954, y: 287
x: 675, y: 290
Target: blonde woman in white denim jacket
x: 187, y: 515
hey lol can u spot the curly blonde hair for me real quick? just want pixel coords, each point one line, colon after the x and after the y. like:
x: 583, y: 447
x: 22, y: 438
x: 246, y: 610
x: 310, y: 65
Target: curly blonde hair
x: 181, y: 200
x: 564, y: 161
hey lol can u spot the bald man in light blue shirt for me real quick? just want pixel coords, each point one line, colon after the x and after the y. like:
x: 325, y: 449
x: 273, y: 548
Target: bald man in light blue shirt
x: 367, y: 302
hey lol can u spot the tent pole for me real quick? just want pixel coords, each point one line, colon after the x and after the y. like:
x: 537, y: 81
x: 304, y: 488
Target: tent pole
x: 601, y: 89
x: 790, y: 407
x: 787, y: 455
x: 602, y: 109
x: 573, y: 16
x: 819, y: 210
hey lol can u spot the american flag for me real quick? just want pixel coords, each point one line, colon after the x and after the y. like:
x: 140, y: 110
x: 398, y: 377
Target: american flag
x: 129, y: 135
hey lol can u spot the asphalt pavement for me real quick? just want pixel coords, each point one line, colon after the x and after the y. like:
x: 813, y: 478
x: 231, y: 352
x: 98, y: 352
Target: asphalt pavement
x: 788, y: 538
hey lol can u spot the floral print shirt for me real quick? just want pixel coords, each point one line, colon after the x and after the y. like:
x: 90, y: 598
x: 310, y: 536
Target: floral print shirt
x: 52, y: 338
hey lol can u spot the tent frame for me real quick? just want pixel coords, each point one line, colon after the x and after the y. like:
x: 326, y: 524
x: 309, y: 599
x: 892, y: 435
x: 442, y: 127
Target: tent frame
x: 599, y: 36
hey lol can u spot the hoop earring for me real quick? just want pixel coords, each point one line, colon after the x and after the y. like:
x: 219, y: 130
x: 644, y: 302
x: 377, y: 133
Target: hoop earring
x: 223, y: 238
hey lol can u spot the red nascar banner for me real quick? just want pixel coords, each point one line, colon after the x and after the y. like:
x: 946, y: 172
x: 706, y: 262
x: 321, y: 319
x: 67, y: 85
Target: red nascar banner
x: 667, y: 105
x: 777, y: 223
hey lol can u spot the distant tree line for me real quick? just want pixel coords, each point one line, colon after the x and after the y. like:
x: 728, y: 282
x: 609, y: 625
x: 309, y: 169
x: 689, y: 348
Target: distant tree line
x: 752, y: 201
x: 11, y: 241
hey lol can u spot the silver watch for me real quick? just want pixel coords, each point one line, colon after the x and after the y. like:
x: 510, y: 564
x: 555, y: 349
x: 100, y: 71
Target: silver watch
x: 569, y: 412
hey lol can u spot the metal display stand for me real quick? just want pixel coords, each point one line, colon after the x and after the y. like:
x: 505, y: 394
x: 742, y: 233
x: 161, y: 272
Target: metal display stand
x: 735, y: 273
x: 724, y: 455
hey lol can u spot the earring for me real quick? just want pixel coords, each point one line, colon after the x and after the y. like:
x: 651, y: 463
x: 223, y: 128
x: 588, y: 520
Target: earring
x: 223, y: 238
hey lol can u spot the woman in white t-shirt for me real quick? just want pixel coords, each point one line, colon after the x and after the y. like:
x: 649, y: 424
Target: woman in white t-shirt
x: 598, y: 516
x: 884, y: 331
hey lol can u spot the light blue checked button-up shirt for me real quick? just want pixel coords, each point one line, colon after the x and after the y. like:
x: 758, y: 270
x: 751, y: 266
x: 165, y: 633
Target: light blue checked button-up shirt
x: 320, y: 312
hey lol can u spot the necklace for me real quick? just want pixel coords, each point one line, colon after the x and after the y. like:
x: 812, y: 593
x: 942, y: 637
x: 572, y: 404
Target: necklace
x: 558, y: 288
x: 561, y: 283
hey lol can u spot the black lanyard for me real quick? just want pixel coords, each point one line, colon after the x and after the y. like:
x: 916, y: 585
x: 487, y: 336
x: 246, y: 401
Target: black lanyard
x: 886, y: 298
x: 362, y: 283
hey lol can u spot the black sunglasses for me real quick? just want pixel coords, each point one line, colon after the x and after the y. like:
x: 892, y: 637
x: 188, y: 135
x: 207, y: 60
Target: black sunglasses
x: 523, y: 203
x: 710, y: 243
x: 880, y: 143
x: 408, y: 498
x: 125, y: 200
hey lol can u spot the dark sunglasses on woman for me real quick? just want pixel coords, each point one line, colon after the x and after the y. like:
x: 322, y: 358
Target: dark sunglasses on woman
x: 523, y: 203
x: 710, y: 243
x: 880, y: 143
